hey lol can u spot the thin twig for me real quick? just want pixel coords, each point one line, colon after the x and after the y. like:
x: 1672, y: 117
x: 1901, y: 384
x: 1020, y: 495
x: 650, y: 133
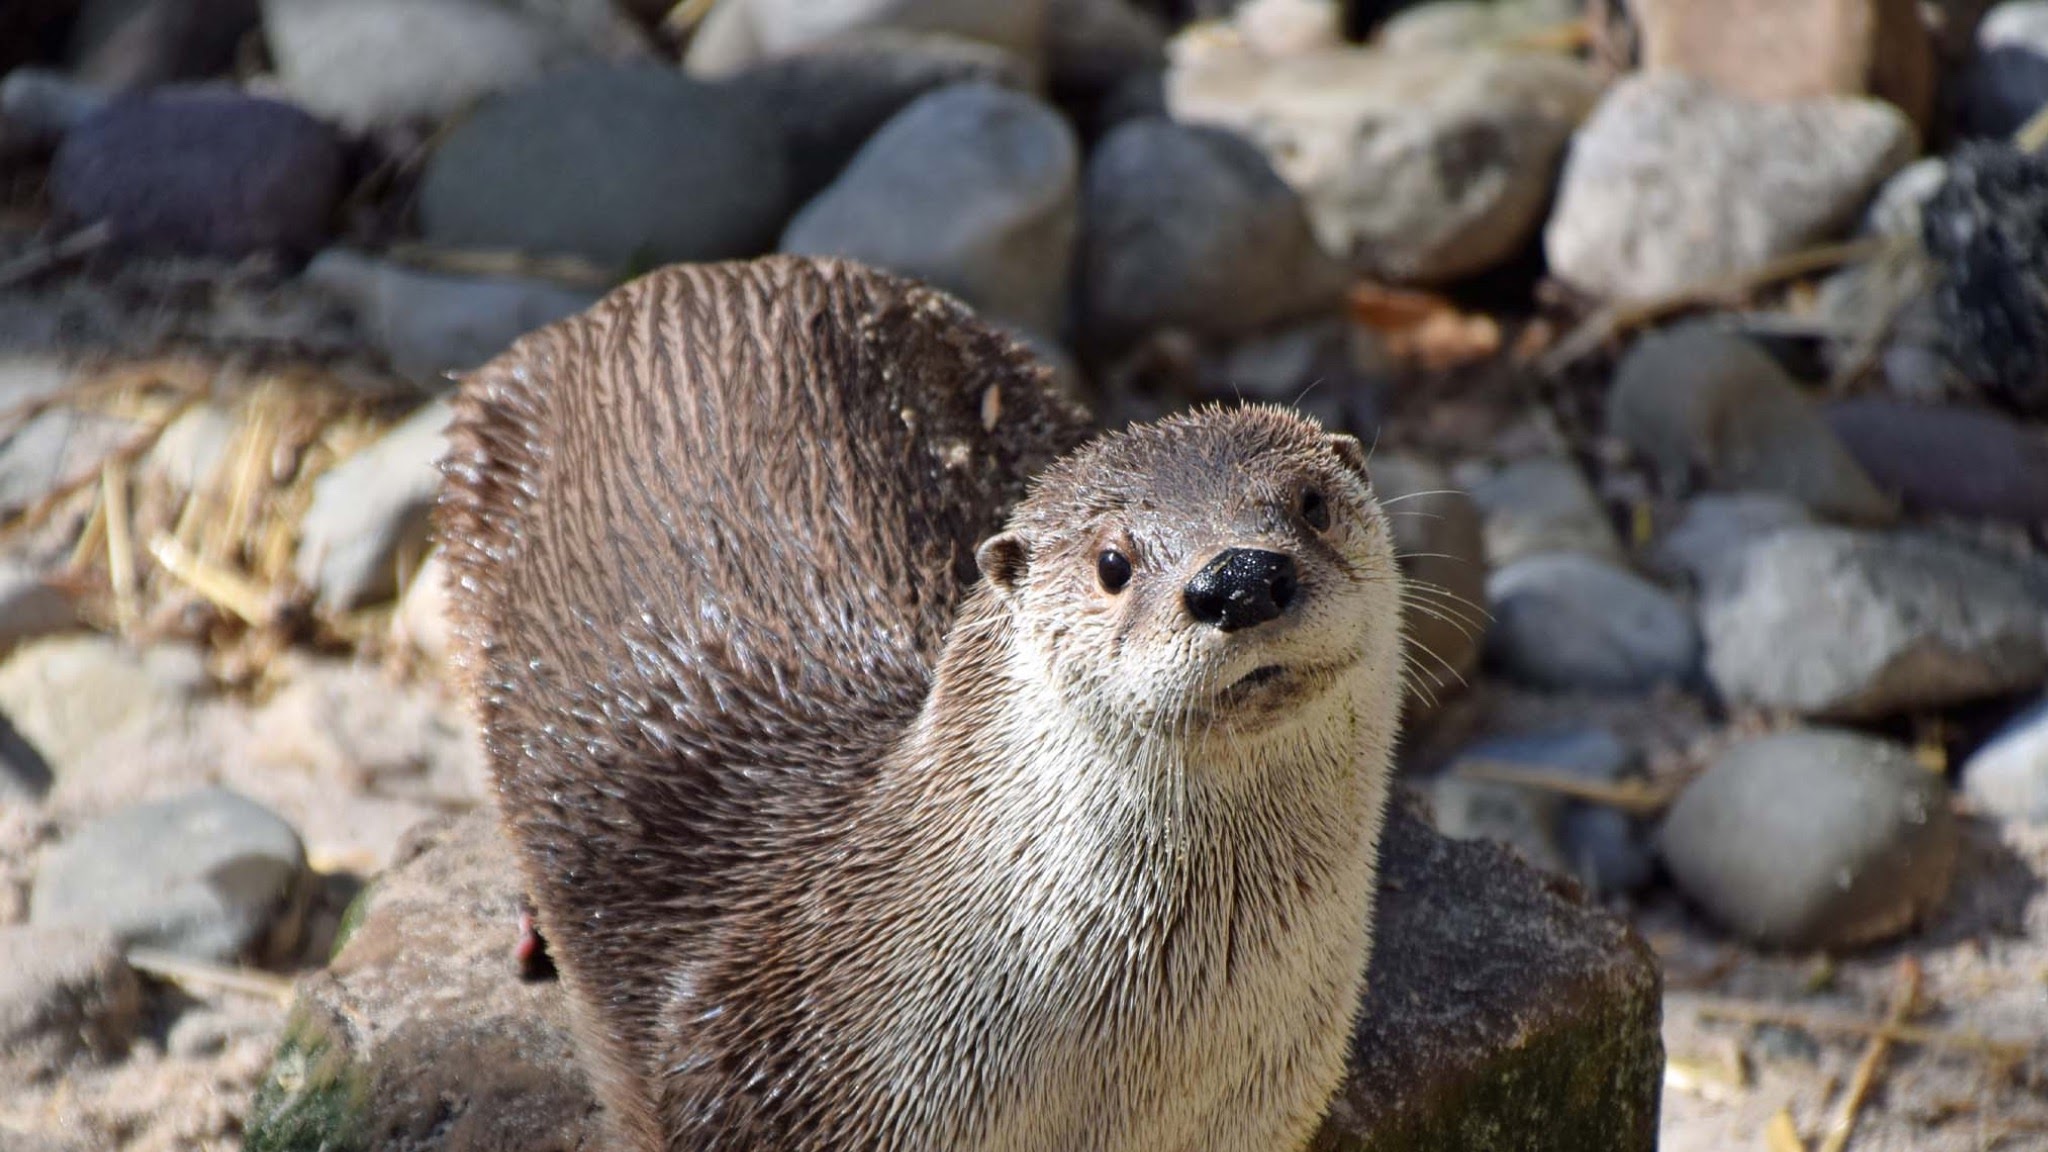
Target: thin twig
x: 225, y: 589
x: 1808, y: 1020
x: 1635, y: 797
x: 120, y: 545
x: 1782, y: 1135
x: 190, y: 974
x: 1867, y: 1069
x: 83, y: 242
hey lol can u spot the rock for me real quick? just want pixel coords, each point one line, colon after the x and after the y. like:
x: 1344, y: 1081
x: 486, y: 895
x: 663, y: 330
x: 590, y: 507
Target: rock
x: 1284, y: 29
x: 1707, y: 405
x: 64, y: 993
x: 429, y: 325
x: 1947, y: 459
x: 203, y: 172
x: 68, y: 694
x: 1190, y: 227
x: 1521, y: 819
x: 692, y: 172
x: 53, y: 450
x: 1847, y: 625
x: 386, y: 63
x: 1717, y: 529
x: 2008, y: 776
x: 1543, y: 504
x: 1451, y: 25
x: 1986, y: 229
x: 2006, y: 81
x: 1599, y: 846
x: 1091, y: 46
x: 972, y: 189
x: 1794, y: 49
x: 191, y: 450
x: 1671, y: 184
x: 39, y: 105
x: 1565, y: 621
x: 832, y: 98
x: 210, y: 875
x: 742, y: 32
x: 1331, y: 368
x: 141, y: 43
x: 371, y: 509
x: 1423, y: 167
x: 418, y: 1018
x: 31, y: 606
x: 1813, y: 839
x: 1443, y: 563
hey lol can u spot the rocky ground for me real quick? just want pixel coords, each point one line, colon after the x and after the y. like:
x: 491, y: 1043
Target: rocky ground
x: 1704, y: 349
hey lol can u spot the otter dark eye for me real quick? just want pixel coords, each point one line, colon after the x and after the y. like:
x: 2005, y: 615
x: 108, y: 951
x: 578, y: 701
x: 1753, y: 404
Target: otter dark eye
x: 1315, y: 510
x: 1113, y: 568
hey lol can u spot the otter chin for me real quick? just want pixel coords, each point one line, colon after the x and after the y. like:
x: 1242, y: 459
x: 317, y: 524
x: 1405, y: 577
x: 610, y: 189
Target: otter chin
x: 894, y: 768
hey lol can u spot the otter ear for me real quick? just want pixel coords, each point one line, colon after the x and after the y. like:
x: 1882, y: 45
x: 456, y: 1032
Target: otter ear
x: 1350, y: 451
x: 1004, y: 558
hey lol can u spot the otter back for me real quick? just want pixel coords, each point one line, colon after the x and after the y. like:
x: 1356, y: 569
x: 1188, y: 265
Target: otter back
x: 705, y: 543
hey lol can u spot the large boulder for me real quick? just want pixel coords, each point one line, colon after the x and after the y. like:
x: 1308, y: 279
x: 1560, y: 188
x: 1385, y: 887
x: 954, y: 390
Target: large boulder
x: 1503, y: 1013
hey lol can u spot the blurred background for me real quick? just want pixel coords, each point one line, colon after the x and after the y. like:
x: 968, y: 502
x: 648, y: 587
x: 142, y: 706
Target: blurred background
x: 1703, y: 345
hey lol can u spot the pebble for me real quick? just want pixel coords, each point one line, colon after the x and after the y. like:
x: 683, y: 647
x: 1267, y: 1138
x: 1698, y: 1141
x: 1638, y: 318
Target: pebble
x: 1716, y: 529
x: 1813, y: 839
x: 1773, y: 50
x: 370, y: 64
x: 738, y: 33
x: 371, y: 509
x: 1565, y: 621
x: 2008, y: 776
x: 1671, y: 183
x: 1600, y: 846
x: 210, y: 875
x: 1190, y: 227
x: 1947, y: 459
x: 64, y: 993
x: 201, y: 171
x: 1707, y: 406
x: 142, y: 43
x: 972, y: 189
x: 1543, y: 504
x: 2006, y: 80
x: 67, y: 694
x: 191, y: 450
x: 1438, y: 540
x: 692, y: 172
x: 831, y: 99
x: 54, y: 449
x: 1986, y: 229
x: 1092, y: 46
x: 428, y: 325
x: 1849, y: 625
x: 1422, y: 167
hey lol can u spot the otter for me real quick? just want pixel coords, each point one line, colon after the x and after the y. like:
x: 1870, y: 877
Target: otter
x: 891, y: 769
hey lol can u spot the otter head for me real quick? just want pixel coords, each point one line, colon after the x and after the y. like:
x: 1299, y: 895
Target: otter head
x: 1212, y: 574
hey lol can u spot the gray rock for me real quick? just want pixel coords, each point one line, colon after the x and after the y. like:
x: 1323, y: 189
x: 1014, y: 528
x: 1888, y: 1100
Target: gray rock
x: 738, y: 33
x: 1946, y: 459
x: 972, y: 189
x: 1521, y: 819
x: 1190, y: 227
x: 1091, y: 46
x: 691, y: 171
x: 1443, y: 563
x: 191, y: 450
x: 1716, y: 529
x: 1813, y: 839
x: 418, y: 1017
x: 1330, y: 368
x: 1565, y: 621
x: 2006, y: 80
x: 211, y: 875
x: 1708, y: 407
x: 832, y: 98
x: 1424, y: 167
x: 201, y: 171
x: 39, y: 105
x: 53, y: 450
x: 139, y: 43
x: 1543, y: 504
x: 1847, y: 625
x: 428, y: 325
x: 371, y: 509
x: 1600, y: 846
x: 64, y: 993
x: 68, y: 694
x: 2008, y: 776
x: 382, y: 63
x: 1671, y: 184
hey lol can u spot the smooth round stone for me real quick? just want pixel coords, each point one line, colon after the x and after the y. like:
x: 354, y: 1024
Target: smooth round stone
x: 689, y: 171
x: 1945, y: 459
x: 211, y: 875
x: 1813, y: 839
x: 1543, y: 504
x: 1717, y: 529
x: 2008, y: 776
x: 1563, y: 621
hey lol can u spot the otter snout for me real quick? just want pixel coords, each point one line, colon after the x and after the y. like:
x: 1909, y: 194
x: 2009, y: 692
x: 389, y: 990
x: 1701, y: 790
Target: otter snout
x: 1242, y: 587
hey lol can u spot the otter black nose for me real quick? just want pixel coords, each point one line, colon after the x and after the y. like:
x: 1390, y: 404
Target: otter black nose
x: 1242, y: 587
